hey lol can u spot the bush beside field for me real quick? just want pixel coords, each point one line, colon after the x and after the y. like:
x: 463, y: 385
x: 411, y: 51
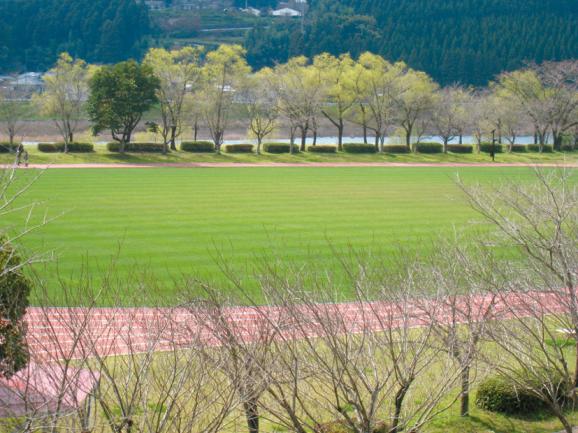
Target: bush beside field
x: 6, y: 147
x: 238, y: 148
x: 59, y: 147
x: 278, y: 148
x: 322, y: 149
x: 114, y: 146
x: 198, y: 146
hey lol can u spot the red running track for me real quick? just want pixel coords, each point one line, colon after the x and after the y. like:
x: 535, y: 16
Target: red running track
x: 76, y: 333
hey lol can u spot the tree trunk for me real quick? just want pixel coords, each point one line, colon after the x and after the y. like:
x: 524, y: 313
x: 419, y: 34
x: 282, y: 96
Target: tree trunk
x: 340, y: 136
x: 252, y: 415
x: 195, y: 130
x: 446, y: 145
x: 575, y: 378
x: 465, y: 397
x: 461, y: 139
x: 315, y: 137
x: 259, y: 145
x: 173, y: 137
x: 399, y: 397
x: 303, y: 139
x: 557, y: 141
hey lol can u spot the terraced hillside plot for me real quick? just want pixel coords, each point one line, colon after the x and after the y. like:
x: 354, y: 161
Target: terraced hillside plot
x: 172, y: 222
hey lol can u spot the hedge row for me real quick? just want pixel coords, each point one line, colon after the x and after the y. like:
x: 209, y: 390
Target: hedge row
x: 396, y: 148
x: 59, y: 147
x: 136, y: 147
x: 487, y: 148
x: 322, y: 149
x: 460, y: 148
x: 536, y: 148
x: 279, y: 148
x: 359, y: 148
x: 430, y: 147
x: 238, y: 148
x: 198, y: 146
x: 6, y: 147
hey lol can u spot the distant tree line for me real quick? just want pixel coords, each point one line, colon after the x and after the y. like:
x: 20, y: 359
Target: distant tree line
x: 34, y: 32
x: 382, y: 99
x: 454, y: 41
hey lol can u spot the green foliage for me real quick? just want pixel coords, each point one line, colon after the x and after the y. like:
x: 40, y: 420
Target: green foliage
x: 72, y: 147
x: 279, y: 148
x: 6, y: 147
x: 34, y: 32
x: 430, y: 147
x: 239, y: 148
x: 519, y: 148
x: 397, y: 148
x: 114, y: 146
x: 359, y: 148
x: 460, y: 148
x: 547, y: 148
x: 322, y: 149
x: 497, y: 394
x: 119, y: 95
x: 467, y: 41
x: 487, y: 148
x: 198, y: 146
x: 14, y: 292
x: 568, y: 148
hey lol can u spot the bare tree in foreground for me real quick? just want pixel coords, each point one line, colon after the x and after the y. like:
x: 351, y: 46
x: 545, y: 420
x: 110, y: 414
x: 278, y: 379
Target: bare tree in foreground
x: 536, y: 288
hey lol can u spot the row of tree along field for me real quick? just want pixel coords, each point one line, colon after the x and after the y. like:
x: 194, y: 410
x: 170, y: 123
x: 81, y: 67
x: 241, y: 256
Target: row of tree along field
x: 381, y: 98
x: 410, y: 343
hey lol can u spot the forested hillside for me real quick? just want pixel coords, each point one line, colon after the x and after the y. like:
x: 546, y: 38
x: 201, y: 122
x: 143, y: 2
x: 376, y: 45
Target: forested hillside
x: 466, y: 41
x: 34, y: 32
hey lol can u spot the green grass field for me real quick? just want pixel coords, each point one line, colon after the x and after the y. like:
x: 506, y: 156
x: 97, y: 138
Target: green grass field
x: 176, y: 221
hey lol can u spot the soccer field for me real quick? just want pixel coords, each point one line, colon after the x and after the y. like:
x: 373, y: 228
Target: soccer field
x: 173, y: 222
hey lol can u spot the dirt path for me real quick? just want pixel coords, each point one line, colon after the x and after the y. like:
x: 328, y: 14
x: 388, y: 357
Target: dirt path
x: 288, y: 164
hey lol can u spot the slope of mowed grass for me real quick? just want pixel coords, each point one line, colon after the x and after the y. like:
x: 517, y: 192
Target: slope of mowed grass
x: 176, y: 221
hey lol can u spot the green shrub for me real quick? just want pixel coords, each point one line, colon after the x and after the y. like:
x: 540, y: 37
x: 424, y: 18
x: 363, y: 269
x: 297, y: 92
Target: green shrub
x: 239, y: 148
x: 322, y: 149
x: 359, y: 148
x: 430, y: 148
x: 198, y: 146
x: 396, y: 148
x: 72, y: 147
x: 536, y: 148
x: 279, y: 148
x: 6, y: 147
x: 487, y: 148
x: 49, y: 147
x: 568, y: 148
x: 519, y: 148
x: 497, y: 394
x: 460, y: 148
x: 136, y: 147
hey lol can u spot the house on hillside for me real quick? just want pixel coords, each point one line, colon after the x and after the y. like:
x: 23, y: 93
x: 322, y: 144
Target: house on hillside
x: 286, y: 12
x: 252, y: 11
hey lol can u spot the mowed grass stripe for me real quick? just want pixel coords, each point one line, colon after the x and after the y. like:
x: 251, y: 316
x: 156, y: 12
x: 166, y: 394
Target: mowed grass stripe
x: 173, y: 221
